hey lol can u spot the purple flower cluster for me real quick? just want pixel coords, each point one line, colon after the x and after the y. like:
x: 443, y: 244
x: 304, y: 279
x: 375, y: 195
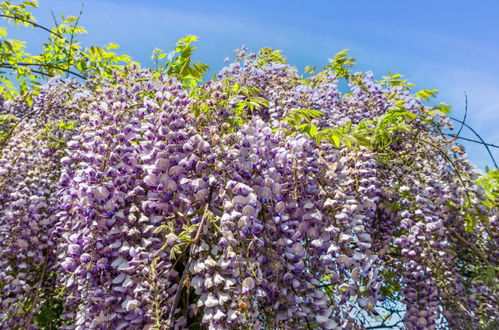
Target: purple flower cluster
x: 29, y: 171
x: 139, y: 165
x: 267, y: 218
x: 140, y: 204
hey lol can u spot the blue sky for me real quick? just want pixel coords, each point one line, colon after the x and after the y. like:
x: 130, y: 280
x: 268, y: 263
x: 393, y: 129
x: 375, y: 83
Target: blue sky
x: 452, y: 46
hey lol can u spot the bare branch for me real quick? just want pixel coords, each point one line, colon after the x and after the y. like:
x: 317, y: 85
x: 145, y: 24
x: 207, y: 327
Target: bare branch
x: 34, y: 24
x: 471, y: 140
x: 465, y: 114
x: 12, y: 66
x: 478, y: 136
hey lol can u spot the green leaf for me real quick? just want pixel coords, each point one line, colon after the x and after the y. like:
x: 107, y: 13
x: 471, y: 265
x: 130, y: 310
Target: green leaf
x: 471, y: 223
x: 112, y: 45
x: 443, y: 107
x: 310, y: 70
x: 336, y: 140
x: 426, y: 94
x: 341, y: 64
x: 312, y: 130
x: 395, y: 80
x: 268, y: 55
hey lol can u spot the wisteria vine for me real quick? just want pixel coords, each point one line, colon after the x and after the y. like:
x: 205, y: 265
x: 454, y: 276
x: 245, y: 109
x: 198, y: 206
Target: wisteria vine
x: 259, y: 199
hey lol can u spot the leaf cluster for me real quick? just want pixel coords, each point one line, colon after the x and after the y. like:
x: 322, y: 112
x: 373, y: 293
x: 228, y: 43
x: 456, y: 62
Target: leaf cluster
x: 21, y: 73
x: 179, y: 63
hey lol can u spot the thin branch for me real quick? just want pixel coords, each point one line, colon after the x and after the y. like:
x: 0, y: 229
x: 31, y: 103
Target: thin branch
x: 12, y: 66
x: 4, y: 140
x: 383, y: 325
x: 37, y: 293
x: 393, y: 326
x: 72, y: 36
x: 35, y: 25
x: 471, y: 246
x: 465, y: 114
x: 191, y: 253
x: 471, y: 140
x: 55, y: 19
x: 478, y: 136
x: 8, y: 66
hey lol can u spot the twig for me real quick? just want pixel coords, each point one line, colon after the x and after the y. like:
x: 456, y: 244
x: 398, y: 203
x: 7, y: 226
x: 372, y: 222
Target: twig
x: 471, y: 246
x: 383, y: 325
x: 34, y: 24
x: 471, y: 140
x: 72, y: 36
x: 37, y: 294
x: 306, y: 318
x: 8, y: 66
x: 5, y: 138
x: 465, y: 114
x: 11, y: 66
x: 478, y: 136
x: 189, y: 260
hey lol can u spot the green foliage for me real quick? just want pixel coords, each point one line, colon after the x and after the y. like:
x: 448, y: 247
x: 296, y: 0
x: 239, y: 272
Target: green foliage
x: 387, y: 126
x: 268, y: 55
x: 60, y: 52
x: 395, y: 80
x: 310, y: 69
x: 243, y: 100
x: 21, y: 73
x: 49, y: 315
x: 376, y: 134
x: 7, y: 122
x: 17, y: 14
x: 341, y: 64
x: 101, y: 61
x: 251, y: 101
x: 54, y: 132
x: 426, y: 94
x: 442, y: 107
x: 337, y: 135
x: 303, y: 121
x: 179, y: 62
x: 490, y: 183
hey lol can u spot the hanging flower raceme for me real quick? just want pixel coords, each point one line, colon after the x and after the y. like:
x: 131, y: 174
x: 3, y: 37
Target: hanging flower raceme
x: 139, y: 164
x: 135, y: 202
x: 29, y: 172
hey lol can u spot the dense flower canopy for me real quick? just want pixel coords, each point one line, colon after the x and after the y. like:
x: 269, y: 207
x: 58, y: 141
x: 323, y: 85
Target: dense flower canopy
x: 261, y: 199
x: 258, y: 199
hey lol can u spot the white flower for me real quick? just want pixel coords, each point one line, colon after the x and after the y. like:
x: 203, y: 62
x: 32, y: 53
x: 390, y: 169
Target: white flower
x: 208, y: 282
x: 218, y: 315
x: 196, y: 282
x: 211, y: 301
x: 248, y: 284
x: 358, y: 256
x: 131, y: 305
x: 344, y: 260
x: 119, y: 278
x: 210, y: 262
x: 218, y: 279
x: 117, y: 262
x: 128, y: 282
